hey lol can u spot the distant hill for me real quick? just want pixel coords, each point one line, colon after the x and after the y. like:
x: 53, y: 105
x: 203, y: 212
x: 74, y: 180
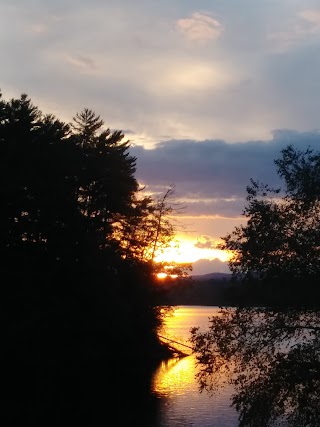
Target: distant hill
x: 209, y: 276
x: 204, y: 289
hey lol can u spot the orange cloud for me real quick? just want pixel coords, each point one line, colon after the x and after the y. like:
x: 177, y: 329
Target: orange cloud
x: 205, y: 242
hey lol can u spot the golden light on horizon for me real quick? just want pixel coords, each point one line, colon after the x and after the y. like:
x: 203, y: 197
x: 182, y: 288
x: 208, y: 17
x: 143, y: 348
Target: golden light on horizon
x: 186, y: 252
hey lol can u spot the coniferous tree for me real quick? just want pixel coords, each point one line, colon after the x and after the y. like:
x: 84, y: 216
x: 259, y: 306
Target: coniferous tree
x: 40, y: 218
x: 63, y: 190
x: 107, y: 185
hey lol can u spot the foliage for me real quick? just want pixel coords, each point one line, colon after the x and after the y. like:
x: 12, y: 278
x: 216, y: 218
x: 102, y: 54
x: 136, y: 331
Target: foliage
x: 270, y: 357
x: 69, y: 192
x: 73, y: 299
x: 280, y: 241
x: 148, y: 228
x: 269, y: 352
x: 108, y: 185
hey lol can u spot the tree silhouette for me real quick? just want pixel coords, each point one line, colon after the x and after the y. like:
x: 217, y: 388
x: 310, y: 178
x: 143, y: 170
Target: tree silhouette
x: 271, y: 357
x: 268, y: 346
x: 148, y: 228
x: 40, y: 220
x: 74, y: 308
x: 107, y: 185
x: 279, y: 244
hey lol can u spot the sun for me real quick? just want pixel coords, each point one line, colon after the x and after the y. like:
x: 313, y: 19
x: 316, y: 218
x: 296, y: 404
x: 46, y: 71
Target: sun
x: 162, y: 276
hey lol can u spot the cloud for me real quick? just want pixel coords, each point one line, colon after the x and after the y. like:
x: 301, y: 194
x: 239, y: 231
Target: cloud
x: 211, y: 207
x: 306, y: 27
x: 183, y: 76
x: 313, y: 17
x: 211, y: 176
x: 38, y: 28
x: 200, y: 27
x: 82, y: 62
x: 139, y: 72
x: 205, y: 242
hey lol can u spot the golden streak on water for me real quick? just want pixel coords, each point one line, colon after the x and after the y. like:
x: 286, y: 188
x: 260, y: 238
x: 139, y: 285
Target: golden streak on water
x: 179, y: 373
x: 174, y: 376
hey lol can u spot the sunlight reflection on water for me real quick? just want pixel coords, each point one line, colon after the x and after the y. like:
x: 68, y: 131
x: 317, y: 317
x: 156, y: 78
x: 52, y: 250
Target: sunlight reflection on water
x: 176, y: 385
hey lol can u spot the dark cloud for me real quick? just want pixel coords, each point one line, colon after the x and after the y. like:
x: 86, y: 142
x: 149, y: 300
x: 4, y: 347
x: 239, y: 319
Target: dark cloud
x: 214, y: 207
x: 211, y: 176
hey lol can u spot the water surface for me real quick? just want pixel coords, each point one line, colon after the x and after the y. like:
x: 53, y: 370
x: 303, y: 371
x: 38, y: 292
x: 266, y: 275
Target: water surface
x: 181, y: 403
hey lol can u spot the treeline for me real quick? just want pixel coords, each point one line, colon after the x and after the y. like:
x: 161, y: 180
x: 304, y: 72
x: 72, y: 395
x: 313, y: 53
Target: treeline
x: 214, y: 292
x: 78, y: 240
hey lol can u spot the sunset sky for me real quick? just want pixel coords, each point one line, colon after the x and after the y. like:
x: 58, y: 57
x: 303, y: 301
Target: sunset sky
x: 207, y: 92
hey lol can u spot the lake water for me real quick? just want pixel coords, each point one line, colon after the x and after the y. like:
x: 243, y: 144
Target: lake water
x: 181, y: 403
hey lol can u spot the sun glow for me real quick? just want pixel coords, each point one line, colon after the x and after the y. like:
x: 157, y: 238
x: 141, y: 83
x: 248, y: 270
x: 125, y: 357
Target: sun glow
x: 185, y: 251
x: 164, y: 275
